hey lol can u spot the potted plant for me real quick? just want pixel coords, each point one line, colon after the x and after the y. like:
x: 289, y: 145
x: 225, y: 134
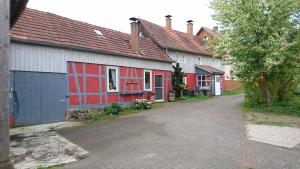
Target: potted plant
x: 171, y: 96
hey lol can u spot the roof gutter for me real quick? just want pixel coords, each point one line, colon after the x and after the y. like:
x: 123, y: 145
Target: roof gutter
x: 83, y: 49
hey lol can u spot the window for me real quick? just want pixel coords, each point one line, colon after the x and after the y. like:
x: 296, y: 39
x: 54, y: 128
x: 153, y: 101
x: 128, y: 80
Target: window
x: 99, y: 33
x: 183, y: 59
x: 217, y: 63
x: 180, y: 58
x: 147, y: 80
x: 113, y: 79
x: 184, y: 80
x: 204, y: 80
x: 199, y: 58
x: 177, y: 57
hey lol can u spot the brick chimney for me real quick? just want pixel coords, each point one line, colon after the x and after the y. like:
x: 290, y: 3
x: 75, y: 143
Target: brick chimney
x: 134, y: 37
x: 168, y: 21
x: 190, y: 29
x: 215, y: 29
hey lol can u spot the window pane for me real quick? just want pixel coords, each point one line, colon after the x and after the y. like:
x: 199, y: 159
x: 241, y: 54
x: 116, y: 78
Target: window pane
x: 203, y: 83
x: 203, y: 77
x: 208, y: 83
x: 147, y: 80
x: 112, y: 79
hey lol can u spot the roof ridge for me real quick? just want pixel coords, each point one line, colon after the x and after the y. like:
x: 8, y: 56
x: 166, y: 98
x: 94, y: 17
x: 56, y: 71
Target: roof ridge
x: 167, y: 28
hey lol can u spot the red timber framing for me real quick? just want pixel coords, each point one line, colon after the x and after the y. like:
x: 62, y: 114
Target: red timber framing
x: 88, y: 85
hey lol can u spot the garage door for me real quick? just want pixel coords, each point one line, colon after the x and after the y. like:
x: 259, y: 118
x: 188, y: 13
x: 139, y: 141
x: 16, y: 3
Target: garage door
x: 38, y: 98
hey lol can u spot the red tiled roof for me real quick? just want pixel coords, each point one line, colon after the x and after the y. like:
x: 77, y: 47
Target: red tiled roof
x: 168, y: 38
x: 44, y: 27
x: 210, y: 69
x: 207, y: 30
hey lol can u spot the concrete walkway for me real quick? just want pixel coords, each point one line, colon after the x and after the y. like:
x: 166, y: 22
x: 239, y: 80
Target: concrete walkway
x: 206, y: 134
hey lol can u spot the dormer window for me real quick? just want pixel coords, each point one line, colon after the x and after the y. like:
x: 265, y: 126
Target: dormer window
x: 99, y: 33
x: 205, y: 39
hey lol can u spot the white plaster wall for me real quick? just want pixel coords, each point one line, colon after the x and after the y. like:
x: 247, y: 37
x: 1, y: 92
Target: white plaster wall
x: 191, y: 60
x: 26, y: 57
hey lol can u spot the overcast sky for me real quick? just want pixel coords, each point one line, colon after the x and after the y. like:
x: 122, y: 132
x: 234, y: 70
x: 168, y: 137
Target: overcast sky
x: 115, y: 14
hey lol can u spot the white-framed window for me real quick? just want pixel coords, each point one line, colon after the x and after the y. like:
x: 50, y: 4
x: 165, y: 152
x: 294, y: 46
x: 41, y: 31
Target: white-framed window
x: 177, y: 57
x: 183, y: 58
x: 217, y: 63
x: 112, y: 79
x: 204, y: 80
x: 184, y: 80
x: 147, y: 80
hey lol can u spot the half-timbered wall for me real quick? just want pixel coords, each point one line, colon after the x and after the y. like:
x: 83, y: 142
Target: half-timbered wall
x: 88, y: 85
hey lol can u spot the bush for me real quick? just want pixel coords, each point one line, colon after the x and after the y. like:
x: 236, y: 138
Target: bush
x: 141, y: 104
x: 297, y: 90
x: 95, y: 116
x: 114, y: 109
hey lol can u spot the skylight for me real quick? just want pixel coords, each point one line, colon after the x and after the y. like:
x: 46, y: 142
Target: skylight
x: 99, y: 33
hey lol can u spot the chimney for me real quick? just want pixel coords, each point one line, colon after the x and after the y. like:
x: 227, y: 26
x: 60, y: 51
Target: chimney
x: 134, y: 37
x: 168, y: 21
x: 190, y: 29
x: 215, y: 29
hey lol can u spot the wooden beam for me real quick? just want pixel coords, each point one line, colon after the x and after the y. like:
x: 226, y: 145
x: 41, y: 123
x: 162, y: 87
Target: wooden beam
x: 4, y: 85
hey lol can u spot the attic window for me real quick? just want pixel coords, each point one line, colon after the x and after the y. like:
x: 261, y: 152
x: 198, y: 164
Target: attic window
x: 99, y: 33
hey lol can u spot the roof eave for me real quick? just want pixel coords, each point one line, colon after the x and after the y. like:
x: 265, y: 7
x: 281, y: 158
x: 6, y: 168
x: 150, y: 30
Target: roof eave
x: 84, y: 49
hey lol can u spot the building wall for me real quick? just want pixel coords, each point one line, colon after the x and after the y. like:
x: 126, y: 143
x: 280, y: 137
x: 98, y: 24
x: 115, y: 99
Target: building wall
x: 88, y: 85
x: 44, y: 80
x: 26, y: 57
x: 189, y: 62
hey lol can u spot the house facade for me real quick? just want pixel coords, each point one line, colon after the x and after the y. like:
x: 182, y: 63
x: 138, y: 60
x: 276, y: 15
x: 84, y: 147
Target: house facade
x: 202, y: 70
x: 59, y: 64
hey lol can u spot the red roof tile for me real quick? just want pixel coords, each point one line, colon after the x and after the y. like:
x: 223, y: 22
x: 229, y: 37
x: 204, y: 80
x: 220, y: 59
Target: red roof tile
x: 207, y: 30
x: 210, y: 69
x: 168, y: 38
x: 44, y: 27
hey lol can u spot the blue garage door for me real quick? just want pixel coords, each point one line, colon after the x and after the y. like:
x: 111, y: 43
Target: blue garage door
x: 38, y: 98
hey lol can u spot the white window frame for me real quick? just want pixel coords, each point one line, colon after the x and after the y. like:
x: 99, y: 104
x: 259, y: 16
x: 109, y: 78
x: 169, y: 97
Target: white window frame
x: 206, y: 81
x: 184, y: 80
x: 150, y: 71
x: 117, y: 78
x: 183, y: 58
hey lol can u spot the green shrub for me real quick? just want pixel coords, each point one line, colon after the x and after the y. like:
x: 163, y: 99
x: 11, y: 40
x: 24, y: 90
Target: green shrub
x: 297, y: 90
x: 114, y: 109
x: 141, y: 104
x: 95, y: 116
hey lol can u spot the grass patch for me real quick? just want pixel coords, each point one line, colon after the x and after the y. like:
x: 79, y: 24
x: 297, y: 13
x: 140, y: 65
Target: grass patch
x: 272, y: 119
x: 187, y: 99
x: 291, y: 106
x: 51, y: 167
x: 285, y: 113
x: 233, y: 92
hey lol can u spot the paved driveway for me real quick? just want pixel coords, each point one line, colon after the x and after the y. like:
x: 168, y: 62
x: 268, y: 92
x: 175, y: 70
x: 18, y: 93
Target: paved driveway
x: 199, y: 135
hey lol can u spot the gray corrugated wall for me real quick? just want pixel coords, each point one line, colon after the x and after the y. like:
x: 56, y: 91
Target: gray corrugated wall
x: 41, y: 97
x: 26, y: 57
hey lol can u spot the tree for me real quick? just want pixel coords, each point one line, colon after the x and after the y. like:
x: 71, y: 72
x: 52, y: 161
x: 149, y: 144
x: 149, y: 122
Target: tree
x: 260, y: 38
x: 177, y: 80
